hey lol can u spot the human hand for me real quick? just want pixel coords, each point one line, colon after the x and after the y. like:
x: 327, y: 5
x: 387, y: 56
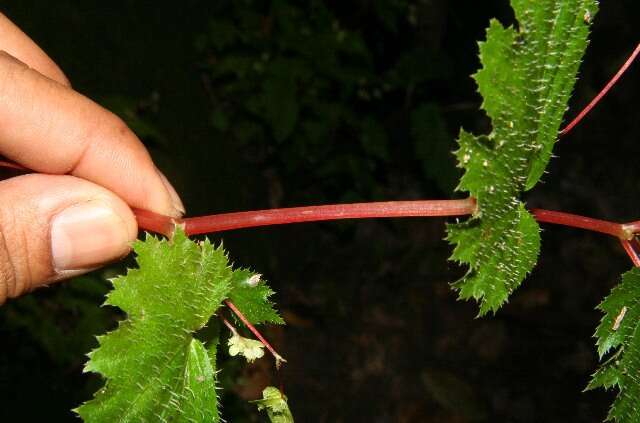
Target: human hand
x: 74, y: 216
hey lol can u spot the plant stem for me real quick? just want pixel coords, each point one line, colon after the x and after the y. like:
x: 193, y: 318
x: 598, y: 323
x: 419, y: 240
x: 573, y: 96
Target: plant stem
x: 425, y: 208
x: 632, y: 247
x: 422, y: 208
x: 250, y: 219
x: 582, y: 222
x: 602, y: 93
x: 247, y: 323
x: 155, y: 222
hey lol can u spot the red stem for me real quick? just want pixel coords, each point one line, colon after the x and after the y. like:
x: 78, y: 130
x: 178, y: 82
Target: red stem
x: 602, y: 93
x: 250, y: 219
x: 229, y: 221
x: 632, y: 248
x: 154, y: 222
x: 582, y: 222
x: 425, y: 208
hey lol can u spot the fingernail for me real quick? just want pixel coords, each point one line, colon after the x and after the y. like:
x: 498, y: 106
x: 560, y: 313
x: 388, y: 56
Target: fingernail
x: 86, y: 235
x: 176, y: 202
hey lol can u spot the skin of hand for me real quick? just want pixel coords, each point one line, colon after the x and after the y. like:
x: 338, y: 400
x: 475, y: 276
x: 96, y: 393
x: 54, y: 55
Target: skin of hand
x: 73, y: 216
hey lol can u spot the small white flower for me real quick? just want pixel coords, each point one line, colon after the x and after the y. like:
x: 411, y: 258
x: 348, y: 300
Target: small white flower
x: 249, y: 348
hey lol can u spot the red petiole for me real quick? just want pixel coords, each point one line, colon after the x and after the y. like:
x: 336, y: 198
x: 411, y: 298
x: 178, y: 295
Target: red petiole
x: 625, y: 66
x: 632, y: 248
x: 575, y: 221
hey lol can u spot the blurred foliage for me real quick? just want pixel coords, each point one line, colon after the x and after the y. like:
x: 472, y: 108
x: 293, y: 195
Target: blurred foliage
x: 64, y: 322
x: 314, y: 96
x: 45, y: 339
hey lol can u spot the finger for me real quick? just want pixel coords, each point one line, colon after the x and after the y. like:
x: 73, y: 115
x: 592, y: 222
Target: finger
x: 50, y: 128
x: 19, y: 45
x: 56, y: 226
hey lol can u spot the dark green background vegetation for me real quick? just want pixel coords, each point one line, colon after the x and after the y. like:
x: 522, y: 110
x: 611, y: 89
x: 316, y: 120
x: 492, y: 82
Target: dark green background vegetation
x: 257, y: 104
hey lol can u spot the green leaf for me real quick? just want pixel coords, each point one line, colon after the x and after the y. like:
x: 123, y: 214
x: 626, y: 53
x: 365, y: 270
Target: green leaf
x: 497, y: 271
x: 619, y: 330
x: 251, y: 295
x: 154, y: 368
x: 276, y: 405
x: 526, y: 80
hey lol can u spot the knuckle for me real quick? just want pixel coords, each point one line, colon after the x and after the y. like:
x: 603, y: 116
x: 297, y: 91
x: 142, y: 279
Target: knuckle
x: 14, y: 270
x: 7, y: 275
x: 8, y: 279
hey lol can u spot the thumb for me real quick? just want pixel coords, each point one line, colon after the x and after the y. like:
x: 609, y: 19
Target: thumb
x: 53, y: 227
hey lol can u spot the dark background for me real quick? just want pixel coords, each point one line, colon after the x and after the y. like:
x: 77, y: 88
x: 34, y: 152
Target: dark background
x: 257, y: 104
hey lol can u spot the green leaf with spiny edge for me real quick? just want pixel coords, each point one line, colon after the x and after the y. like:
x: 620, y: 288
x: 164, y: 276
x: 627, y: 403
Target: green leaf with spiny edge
x: 250, y: 294
x: 494, y: 274
x: 527, y: 77
x: 619, y: 330
x: 154, y: 368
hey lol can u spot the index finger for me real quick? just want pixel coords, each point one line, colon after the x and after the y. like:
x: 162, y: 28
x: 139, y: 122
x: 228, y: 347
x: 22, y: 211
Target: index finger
x: 50, y: 128
x: 19, y: 45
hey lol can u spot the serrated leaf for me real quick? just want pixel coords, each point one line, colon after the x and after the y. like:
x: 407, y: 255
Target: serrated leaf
x: 619, y: 330
x: 276, y: 405
x: 154, y: 369
x: 251, y: 295
x: 494, y: 274
x: 527, y: 77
